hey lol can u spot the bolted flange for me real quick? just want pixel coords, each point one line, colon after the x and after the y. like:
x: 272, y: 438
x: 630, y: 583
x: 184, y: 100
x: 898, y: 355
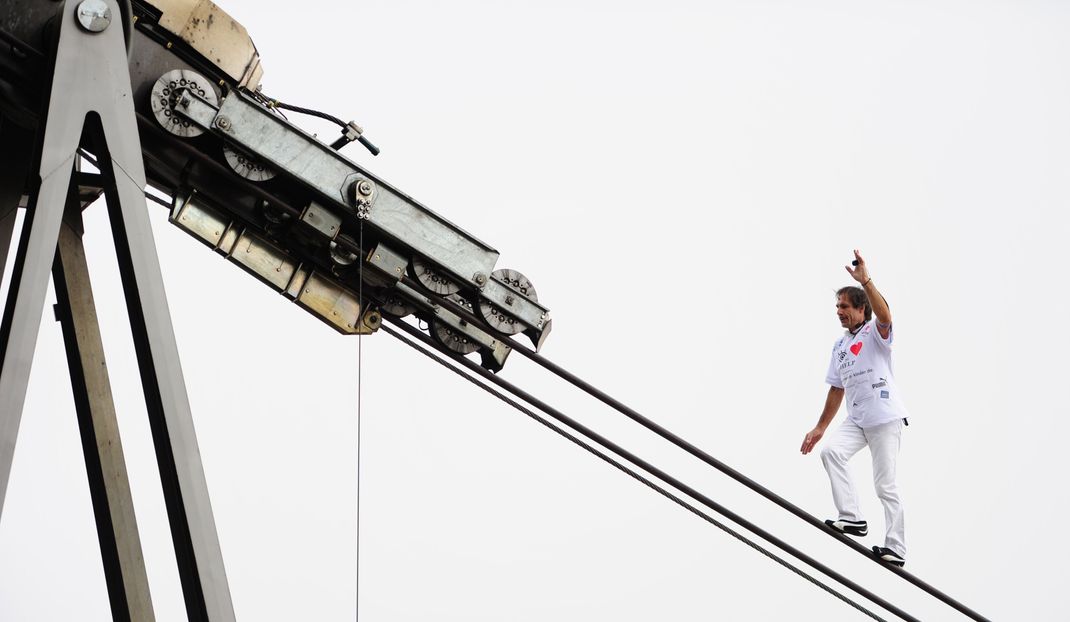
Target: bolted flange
x: 361, y: 193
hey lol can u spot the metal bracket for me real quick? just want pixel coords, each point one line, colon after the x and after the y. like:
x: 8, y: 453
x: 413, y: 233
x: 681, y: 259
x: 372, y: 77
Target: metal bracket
x: 521, y: 307
x: 241, y: 120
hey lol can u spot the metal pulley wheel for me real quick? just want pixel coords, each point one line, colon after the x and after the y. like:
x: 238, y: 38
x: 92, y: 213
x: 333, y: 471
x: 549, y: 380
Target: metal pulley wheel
x: 453, y: 339
x: 433, y: 280
x: 393, y: 304
x: 165, y: 98
x: 249, y: 168
x: 496, y: 317
x: 462, y: 302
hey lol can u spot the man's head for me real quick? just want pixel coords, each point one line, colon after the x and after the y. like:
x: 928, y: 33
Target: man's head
x: 852, y: 306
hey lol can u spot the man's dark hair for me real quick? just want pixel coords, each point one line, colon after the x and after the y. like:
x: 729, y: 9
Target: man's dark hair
x: 858, y: 299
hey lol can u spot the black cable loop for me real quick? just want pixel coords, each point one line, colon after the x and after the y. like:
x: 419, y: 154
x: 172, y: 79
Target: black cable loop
x: 664, y: 433
x: 649, y: 468
x: 274, y: 103
x: 634, y: 474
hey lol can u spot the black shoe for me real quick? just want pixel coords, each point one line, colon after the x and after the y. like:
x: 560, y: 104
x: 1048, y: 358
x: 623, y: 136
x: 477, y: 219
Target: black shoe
x: 888, y: 555
x: 849, y: 527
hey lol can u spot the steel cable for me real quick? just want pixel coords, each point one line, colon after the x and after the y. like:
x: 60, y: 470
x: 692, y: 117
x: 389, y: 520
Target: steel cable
x: 649, y: 468
x: 664, y: 433
x: 635, y: 475
x: 687, y: 446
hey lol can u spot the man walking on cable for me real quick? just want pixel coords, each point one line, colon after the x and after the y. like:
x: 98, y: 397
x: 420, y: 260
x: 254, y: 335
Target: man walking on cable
x: 861, y: 368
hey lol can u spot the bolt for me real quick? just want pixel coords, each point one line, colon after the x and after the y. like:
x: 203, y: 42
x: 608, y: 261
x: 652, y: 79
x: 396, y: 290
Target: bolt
x: 94, y: 15
x: 222, y: 123
x: 365, y: 188
x: 509, y: 300
x: 480, y: 279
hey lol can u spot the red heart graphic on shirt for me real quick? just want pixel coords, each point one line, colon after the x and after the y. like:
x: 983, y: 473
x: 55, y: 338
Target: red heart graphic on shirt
x: 856, y: 348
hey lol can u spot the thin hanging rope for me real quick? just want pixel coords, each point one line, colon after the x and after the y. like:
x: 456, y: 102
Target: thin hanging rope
x: 360, y: 383
x: 428, y: 348
x: 661, y: 431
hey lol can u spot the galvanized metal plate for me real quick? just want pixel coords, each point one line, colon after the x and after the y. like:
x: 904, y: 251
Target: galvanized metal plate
x: 388, y: 262
x: 332, y: 303
x: 321, y: 220
x: 200, y: 221
x: 293, y: 152
x: 264, y: 260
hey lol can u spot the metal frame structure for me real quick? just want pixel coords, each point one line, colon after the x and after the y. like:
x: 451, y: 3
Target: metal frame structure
x: 90, y: 105
x: 172, y: 98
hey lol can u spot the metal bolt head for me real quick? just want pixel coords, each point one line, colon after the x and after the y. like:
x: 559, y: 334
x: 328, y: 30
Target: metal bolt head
x: 94, y: 15
x: 480, y: 278
x: 365, y: 188
x: 222, y: 123
x: 509, y: 300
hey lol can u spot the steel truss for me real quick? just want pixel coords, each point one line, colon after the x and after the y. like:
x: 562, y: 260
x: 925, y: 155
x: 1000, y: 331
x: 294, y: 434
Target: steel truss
x: 90, y: 106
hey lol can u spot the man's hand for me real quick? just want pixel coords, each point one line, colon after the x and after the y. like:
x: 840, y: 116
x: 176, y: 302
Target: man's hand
x: 860, y: 273
x: 812, y: 437
x: 876, y: 299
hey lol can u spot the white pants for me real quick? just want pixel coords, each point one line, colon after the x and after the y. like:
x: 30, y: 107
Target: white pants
x: 883, y: 441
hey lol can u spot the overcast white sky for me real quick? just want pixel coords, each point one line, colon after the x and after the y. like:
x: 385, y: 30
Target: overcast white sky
x: 683, y: 182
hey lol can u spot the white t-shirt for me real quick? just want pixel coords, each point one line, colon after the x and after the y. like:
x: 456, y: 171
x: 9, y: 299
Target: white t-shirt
x: 861, y: 365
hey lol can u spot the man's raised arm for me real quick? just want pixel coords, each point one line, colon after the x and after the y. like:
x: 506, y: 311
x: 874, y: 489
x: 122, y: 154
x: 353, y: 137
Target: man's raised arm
x: 876, y: 299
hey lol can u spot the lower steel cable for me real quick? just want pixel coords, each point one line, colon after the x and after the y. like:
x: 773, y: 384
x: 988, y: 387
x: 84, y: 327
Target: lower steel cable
x: 619, y: 451
x: 690, y: 448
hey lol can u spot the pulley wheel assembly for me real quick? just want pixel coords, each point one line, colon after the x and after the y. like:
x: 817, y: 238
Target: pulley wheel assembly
x: 249, y: 168
x: 496, y: 317
x: 433, y: 280
x: 165, y: 97
x: 452, y: 339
